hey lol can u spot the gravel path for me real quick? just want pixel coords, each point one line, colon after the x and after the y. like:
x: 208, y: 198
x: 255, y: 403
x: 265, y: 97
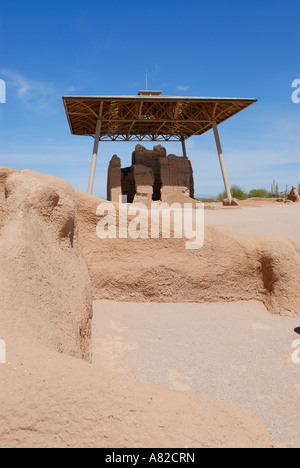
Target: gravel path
x: 237, y: 353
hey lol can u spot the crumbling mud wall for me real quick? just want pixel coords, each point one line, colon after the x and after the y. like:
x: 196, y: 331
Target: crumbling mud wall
x: 114, y: 179
x: 231, y: 266
x: 128, y: 183
x: 176, y: 175
x: 45, y: 286
x: 152, y: 176
x: 144, y: 180
x: 293, y: 195
x: 45, y: 306
x: 151, y: 159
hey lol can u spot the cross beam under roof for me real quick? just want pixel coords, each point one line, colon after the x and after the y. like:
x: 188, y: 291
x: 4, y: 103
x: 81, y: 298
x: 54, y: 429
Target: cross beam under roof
x: 148, y: 118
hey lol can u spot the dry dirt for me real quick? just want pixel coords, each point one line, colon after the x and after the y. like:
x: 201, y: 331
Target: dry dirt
x: 49, y: 396
x: 273, y: 218
x: 53, y: 400
x: 237, y: 353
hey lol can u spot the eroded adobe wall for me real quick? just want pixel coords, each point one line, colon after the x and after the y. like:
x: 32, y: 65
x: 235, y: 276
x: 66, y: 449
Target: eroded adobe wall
x: 128, y: 183
x: 152, y: 176
x: 176, y: 177
x: 151, y: 158
x: 144, y: 181
x: 114, y: 189
x: 45, y: 286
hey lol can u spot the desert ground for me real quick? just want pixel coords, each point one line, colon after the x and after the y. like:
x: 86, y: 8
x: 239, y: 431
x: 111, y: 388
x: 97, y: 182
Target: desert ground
x: 140, y: 342
x: 235, y: 352
x: 264, y: 218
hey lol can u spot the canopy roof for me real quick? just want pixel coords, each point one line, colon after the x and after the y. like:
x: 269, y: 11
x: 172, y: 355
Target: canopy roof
x: 149, y: 117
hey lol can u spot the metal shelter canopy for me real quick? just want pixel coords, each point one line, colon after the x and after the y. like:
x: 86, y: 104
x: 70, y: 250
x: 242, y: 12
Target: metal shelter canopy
x: 148, y: 116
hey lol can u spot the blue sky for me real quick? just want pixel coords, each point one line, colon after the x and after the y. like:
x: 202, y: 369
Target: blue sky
x: 199, y: 48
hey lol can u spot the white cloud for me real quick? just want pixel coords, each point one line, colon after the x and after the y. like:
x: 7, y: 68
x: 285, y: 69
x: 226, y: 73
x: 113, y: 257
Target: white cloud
x: 182, y: 88
x: 37, y: 94
x: 20, y: 83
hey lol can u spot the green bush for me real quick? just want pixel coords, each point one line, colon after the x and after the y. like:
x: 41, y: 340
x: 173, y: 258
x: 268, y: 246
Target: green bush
x: 259, y: 193
x: 236, y: 192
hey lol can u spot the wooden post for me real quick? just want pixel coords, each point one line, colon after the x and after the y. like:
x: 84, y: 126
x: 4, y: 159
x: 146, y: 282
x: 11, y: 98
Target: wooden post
x: 183, y: 147
x: 94, y: 158
x: 221, y: 158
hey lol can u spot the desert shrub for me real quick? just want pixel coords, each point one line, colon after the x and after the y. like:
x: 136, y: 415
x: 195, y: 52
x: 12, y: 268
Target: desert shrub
x: 236, y: 191
x: 260, y: 193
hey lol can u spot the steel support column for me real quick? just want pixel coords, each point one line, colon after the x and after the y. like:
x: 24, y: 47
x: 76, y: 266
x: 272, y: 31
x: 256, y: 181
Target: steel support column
x: 94, y: 158
x: 183, y: 147
x: 221, y: 158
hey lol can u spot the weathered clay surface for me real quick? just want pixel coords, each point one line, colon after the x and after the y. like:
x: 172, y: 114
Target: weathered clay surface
x: 44, y: 279
x: 293, y: 195
x: 128, y: 183
x: 151, y: 158
x: 176, y: 175
x: 144, y: 180
x: 49, y: 399
x: 231, y: 266
x: 114, y: 190
x: 169, y: 179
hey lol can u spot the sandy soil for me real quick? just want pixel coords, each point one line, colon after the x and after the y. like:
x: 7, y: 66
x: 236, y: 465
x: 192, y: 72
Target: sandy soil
x: 51, y: 394
x: 236, y: 353
x: 52, y: 400
x: 273, y: 218
x: 244, y: 356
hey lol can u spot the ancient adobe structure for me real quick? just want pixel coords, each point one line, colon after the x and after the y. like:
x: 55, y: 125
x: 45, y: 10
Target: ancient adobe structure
x: 293, y: 195
x: 152, y: 176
